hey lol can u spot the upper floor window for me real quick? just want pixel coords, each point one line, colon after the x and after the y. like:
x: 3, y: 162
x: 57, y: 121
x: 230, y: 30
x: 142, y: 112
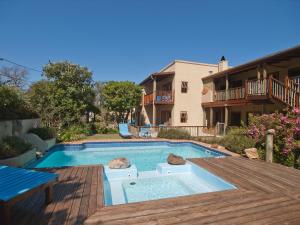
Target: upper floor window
x: 183, y: 117
x: 184, y: 87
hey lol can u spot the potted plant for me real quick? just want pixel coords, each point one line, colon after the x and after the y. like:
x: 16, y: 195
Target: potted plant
x: 46, y: 134
x: 14, y: 151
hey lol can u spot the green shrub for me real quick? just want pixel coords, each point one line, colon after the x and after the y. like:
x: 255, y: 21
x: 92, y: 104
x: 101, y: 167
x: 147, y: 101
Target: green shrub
x: 44, y: 133
x: 13, y: 105
x: 174, y: 134
x: 208, y: 139
x: 102, y: 129
x: 236, y: 140
x: 12, y: 146
x: 74, y: 133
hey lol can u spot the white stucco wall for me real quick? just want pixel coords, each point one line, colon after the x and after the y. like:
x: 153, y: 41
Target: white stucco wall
x: 190, y: 101
x: 17, y: 127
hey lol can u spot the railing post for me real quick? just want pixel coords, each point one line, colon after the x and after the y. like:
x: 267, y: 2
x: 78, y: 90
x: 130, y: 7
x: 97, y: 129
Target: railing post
x: 270, y: 145
x: 246, y: 89
x: 270, y: 86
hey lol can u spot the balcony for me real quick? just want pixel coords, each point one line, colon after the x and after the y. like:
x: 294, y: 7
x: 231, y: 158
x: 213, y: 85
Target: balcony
x: 260, y: 90
x: 162, y: 97
x: 230, y: 94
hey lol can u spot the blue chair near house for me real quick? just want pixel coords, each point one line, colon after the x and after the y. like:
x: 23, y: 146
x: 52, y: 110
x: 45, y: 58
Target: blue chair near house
x: 17, y: 184
x: 158, y: 98
x: 123, y: 130
x: 145, y: 132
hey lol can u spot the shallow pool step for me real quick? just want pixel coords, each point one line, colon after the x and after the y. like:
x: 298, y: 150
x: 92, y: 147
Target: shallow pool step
x: 127, y: 173
x: 167, y: 169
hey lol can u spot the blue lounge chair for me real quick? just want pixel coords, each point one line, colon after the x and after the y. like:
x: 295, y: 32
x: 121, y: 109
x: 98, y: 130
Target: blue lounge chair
x: 123, y: 130
x: 17, y: 184
x: 145, y: 132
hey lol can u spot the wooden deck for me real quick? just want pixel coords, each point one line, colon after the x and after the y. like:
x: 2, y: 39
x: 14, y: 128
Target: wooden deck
x: 265, y: 194
x: 76, y: 196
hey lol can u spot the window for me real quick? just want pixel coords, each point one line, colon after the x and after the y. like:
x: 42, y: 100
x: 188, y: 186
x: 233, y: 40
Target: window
x: 184, y: 87
x: 183, y: 117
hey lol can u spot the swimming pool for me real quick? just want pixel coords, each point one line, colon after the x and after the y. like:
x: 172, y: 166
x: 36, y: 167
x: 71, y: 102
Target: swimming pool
x: 149, y: 177
x: 144, y: 155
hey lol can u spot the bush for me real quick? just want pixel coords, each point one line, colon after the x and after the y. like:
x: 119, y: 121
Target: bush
x: 13, y: 105
x: 12, y: 146
x: 236, y: 140
x: 102, y: 129
x: 74, y: 133
x: 208, y: 139
x: 174, y: 134
x: 44, y: 133
x: 287, y: 134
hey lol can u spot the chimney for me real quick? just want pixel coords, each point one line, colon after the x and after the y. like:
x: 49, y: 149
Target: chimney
x: 223, y: 64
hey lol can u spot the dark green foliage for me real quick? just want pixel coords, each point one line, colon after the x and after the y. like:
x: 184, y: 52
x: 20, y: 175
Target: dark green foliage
x: 66, y: 96
x: 174, y: 134
x: 12, y: 146
x: 120, y: 97
x: 13, y: 104
x: 236, y: 140
x: 44, y: 133
x: 40, y: 95
x: 75, y: 132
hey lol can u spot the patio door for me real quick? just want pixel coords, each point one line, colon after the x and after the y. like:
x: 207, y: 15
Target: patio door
x: 165, y: 117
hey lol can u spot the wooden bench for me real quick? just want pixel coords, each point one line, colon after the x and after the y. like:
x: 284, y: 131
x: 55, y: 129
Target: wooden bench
x: 17, y: 184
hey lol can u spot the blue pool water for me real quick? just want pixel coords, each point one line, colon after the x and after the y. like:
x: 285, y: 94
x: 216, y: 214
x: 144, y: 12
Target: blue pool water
x: 165, y: 182
x: 144, y: 155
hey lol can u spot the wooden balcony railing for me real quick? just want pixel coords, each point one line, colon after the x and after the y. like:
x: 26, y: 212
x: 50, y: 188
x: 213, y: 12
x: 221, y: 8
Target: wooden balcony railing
x: 286, y: 92
x: 148, y: 99
x: 257, y: 87
x: 230, y: 94
x: 162, y: 97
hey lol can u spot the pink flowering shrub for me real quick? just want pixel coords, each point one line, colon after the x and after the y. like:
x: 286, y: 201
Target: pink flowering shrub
x: 287, y: 134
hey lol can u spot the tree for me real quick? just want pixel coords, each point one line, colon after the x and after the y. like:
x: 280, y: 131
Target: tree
x: 67, y: 93
x: 40, y: 95
x: 120, y: 97
x: 13, y: 104
x: 13, y: 76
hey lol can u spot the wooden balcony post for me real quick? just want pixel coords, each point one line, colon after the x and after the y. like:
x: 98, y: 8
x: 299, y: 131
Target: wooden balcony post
x: 211, y: 117
x: 226, y: 116
x: 270, y: 87
x: 227, y: 87
x: 143, y: 98
x: 246, y: 89
x: 153, y: 103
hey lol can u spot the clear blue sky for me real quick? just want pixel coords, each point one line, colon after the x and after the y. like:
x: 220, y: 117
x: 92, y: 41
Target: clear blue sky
x: 129, y: 39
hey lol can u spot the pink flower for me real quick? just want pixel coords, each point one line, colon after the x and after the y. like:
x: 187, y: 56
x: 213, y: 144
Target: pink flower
x: 285, y: 151
x: 296, y: 111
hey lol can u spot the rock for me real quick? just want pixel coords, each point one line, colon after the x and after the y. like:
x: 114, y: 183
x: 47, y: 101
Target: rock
x: 175, y: 160
x: 119, y: 163
x: 251, y: 153
x: 39, y: 154
x: 216, y: 146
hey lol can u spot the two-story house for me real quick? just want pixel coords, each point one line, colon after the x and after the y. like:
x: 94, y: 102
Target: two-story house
x: 173, y: 95
x: 199, y: 94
